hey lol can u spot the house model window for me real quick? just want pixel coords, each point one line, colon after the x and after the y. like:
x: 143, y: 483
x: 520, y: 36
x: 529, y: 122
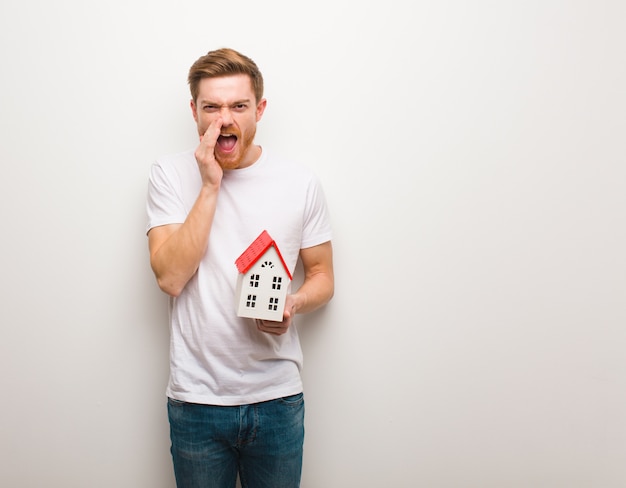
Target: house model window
x: 263, y: 280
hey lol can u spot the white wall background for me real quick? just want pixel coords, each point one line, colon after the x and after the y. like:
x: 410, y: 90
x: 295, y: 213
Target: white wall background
x: 473, y: 155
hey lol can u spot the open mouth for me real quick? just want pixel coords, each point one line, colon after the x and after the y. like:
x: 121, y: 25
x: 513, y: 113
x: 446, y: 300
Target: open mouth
x: 226, y: 142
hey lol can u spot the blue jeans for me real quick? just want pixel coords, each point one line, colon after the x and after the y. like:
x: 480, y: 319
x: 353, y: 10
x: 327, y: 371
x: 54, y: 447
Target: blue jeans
x: 262, y: 442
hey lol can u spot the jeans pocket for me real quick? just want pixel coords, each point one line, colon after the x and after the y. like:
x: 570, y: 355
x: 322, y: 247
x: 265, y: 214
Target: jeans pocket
x: 175, y: 403
x: 293, y: 400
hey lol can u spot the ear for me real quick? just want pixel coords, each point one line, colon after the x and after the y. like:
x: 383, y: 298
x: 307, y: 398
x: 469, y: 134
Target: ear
x: 260, y: 108
x: 194, y: 110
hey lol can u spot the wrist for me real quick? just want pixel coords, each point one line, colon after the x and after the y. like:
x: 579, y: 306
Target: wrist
x: 209, y: 190
x: 299, y: 302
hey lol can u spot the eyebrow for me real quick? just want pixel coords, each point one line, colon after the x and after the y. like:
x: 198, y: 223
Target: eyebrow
x: 237, y: 102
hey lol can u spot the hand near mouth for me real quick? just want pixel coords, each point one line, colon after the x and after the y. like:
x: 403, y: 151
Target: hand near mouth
x: 210, y: 170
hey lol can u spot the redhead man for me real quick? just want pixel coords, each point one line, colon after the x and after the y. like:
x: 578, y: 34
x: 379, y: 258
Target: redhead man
x: 235, y: 396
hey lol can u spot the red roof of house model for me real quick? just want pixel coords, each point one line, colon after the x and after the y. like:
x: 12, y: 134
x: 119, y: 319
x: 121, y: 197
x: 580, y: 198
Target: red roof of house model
x: 256, y: 250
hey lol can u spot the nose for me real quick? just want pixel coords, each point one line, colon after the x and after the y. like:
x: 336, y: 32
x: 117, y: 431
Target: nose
x: 227, y: 116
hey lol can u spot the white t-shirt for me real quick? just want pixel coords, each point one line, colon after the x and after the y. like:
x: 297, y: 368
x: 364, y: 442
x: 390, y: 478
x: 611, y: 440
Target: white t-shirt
x: 216, y: 357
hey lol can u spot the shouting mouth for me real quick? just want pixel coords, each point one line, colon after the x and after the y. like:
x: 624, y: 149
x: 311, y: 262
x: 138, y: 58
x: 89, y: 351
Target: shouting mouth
x: 227, y: 142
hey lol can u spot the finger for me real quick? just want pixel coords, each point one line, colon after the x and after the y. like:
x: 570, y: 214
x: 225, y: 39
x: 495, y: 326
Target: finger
x: 213, y: 131
x: 271, y: 327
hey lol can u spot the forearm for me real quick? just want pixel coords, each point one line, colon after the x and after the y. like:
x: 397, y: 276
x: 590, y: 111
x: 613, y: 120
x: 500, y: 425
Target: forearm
x: 175, y: 254
x: 315, y: 292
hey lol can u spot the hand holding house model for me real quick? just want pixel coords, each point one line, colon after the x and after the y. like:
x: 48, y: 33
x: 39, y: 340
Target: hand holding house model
x: 263, y: 280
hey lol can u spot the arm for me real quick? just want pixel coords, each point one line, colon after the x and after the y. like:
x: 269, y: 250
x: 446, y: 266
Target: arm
x: 317, y: 288
x: 176, y: 249
x: 319, y: 283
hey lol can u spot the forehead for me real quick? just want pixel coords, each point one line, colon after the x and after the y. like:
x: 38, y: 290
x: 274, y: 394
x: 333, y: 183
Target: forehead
x: 226, y: 89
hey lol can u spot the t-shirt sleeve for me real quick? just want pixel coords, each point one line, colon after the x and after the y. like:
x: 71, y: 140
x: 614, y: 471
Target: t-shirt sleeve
x: 164, y: 205
x: 317, y: 226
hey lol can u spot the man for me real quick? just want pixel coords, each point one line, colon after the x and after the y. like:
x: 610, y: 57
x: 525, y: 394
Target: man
x: 235, y: 401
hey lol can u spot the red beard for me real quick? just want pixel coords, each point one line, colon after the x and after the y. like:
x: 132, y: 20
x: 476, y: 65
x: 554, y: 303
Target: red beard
x: 234, y: 159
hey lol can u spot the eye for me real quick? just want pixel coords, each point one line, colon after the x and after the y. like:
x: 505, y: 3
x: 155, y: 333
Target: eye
x: 240, y: 107
x: 210, y: 108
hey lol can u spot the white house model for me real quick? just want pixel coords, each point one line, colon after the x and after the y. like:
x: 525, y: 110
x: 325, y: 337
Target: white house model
x: 263, y: 280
